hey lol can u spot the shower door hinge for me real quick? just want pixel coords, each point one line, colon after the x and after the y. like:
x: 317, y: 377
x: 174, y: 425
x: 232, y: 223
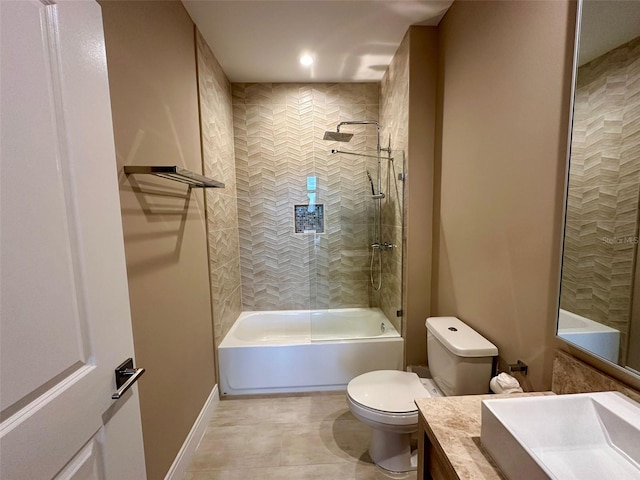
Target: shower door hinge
x: 402, y: 177
x: 399, y: 313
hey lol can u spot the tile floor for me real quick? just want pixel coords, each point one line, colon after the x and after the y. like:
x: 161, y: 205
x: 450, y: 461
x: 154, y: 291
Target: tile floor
x: 293, y: 437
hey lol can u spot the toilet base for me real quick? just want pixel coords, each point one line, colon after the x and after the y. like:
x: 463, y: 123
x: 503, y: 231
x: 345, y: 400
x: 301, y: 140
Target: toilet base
x: 392, y: 451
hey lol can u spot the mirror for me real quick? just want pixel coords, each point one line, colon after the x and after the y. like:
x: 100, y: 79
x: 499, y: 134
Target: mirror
x: 600, y: 270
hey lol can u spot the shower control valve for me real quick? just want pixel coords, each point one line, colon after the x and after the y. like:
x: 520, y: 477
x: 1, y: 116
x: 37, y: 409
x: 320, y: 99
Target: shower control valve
x: 383, y: 246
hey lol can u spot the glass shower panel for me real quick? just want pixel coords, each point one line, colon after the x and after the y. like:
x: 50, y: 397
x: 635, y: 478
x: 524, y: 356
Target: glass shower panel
x: 341, y: 251
x: 390, y: 297
x: 356, y: 275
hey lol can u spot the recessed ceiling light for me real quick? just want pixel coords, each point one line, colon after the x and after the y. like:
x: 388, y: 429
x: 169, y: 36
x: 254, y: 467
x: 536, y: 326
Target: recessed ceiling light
x: 306, y: 60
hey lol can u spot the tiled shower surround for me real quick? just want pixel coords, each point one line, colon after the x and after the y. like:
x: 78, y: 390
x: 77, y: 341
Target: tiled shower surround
x: 216, y: 117
x: 602, y: 211
x: 278, y: 130
x: 279, y: 160
x: 394, y: 120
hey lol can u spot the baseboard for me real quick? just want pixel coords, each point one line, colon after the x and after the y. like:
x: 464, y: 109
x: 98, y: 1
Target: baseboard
x: 182, y: 460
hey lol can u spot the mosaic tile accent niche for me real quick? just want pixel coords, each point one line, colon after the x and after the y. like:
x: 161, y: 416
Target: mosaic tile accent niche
x: 309, y: 220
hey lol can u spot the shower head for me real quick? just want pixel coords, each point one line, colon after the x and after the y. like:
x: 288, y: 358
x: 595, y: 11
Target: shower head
x: 337, y: 136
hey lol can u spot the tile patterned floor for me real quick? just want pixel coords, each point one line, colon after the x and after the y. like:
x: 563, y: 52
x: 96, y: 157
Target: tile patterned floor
x: 281, y: 438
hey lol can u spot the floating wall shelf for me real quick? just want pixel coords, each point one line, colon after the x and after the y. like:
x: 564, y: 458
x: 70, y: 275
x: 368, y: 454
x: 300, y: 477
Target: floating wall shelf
x: 172, y: 172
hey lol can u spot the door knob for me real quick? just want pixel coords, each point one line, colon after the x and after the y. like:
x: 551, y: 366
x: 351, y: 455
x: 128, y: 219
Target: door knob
x: 126, y: 376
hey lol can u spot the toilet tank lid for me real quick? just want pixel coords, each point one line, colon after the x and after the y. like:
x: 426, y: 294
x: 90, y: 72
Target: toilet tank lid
x: 459, y: 338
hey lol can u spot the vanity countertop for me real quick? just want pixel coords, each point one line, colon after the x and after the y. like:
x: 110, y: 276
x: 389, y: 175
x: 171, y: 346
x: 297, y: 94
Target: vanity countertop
x: 452, y: 425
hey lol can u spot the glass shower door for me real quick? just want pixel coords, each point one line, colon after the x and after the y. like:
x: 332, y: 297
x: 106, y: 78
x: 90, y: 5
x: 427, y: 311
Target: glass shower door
x: 357, y: 260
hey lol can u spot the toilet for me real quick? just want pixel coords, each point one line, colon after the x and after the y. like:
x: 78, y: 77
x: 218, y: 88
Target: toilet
x: 460, y: 362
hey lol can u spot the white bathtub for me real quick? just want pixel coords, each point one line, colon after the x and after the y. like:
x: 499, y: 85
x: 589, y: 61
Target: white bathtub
x: 302, y: 350
x: 593, y: 336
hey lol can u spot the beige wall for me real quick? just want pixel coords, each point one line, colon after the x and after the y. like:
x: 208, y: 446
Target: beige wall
x: 407, y: 116
x: 420, y: 183
x: 152, y: 76
x: 216, y: 118
x: 504, y: 110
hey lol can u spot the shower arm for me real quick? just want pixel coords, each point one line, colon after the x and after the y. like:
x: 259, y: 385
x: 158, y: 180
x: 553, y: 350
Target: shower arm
x: 368, y: 122
x: 364, y: 122
x: 343, y: 152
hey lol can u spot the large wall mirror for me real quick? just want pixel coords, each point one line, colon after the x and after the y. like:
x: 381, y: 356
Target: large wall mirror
x: 600, y: 289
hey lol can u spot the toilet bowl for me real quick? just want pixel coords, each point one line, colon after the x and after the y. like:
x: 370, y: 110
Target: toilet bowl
x: 461, y: 363
x: 384, y: 400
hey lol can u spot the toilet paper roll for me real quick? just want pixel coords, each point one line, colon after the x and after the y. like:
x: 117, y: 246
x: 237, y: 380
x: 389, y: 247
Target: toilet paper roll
x: 505, y: 383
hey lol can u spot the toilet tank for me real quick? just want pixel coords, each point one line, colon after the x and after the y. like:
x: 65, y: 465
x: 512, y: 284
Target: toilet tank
x: 460, y: 359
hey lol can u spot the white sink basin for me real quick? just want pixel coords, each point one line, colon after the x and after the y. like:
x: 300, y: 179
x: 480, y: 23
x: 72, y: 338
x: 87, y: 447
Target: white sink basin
x: 583, y: 436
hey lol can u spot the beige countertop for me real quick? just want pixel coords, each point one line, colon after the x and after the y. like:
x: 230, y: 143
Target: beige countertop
x: 453, y: 427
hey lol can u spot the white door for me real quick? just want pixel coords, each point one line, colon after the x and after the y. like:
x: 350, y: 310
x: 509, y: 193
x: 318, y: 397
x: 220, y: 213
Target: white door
x: 64, y: 308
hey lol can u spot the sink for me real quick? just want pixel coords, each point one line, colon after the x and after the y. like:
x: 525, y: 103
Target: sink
x: 582, y: 436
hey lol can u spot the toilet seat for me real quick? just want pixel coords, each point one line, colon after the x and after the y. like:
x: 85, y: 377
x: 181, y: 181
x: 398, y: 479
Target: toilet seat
x: 387, y: 396
x: 377, y: 418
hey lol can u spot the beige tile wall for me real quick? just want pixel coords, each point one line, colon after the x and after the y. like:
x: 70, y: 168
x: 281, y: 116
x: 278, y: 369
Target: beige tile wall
x: 408, y: 114
x: 278, y: 131
x: 216, y: 120
x: 604, y: 177
x: 394, y: 121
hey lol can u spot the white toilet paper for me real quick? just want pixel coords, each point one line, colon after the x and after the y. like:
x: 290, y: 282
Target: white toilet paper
x: 505, y: 383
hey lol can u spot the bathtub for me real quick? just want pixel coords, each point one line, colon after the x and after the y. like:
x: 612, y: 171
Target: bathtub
x: 592, y: 336
x: 305, y: 350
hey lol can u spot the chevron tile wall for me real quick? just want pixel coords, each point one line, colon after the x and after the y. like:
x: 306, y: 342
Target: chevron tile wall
x: 601, y: 234
x: 257, y: 261
x: 216, y: 119
x: 394, y: 118
x: 278, y: 130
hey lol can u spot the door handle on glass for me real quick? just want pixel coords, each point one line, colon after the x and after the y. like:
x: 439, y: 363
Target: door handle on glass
x: 126, y: 376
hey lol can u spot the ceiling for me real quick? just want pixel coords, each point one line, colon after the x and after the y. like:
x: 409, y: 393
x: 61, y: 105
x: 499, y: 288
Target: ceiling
x: 349, y: 40
x: 606, y: 25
